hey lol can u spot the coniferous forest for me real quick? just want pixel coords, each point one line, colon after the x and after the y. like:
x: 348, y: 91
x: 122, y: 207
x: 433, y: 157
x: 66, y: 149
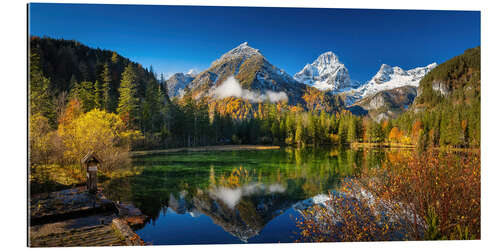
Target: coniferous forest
x: 83, y: 98
x: 69, y: 79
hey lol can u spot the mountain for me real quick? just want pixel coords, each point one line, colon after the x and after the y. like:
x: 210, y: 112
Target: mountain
x: 386, y: 104
x: 241, y: 211
x: 251, y: 77
x: 457, y: 80
x: 326, y: 73
x: 448, y: 102
x: 67, y: 62
x: 388, y: 78
x: 192, y: 73
x: 177, y: 82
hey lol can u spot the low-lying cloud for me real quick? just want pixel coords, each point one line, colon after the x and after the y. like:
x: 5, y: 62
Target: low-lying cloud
x: 232, y: 196
x: 232, y: 88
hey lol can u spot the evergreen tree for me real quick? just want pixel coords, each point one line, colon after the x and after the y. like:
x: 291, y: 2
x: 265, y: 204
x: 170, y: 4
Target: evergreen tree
x: 41, y: 99
x: 343, y: 130
x: 128, y: 103
x: 114, y: 58
x: 106, y: 88
x: 282, y: 133
x: 374, y: 133
x: 299, y: 133
x: 98, y: 93
x: 352, y: 130
x: 85, y: 93
x: 72, y: 82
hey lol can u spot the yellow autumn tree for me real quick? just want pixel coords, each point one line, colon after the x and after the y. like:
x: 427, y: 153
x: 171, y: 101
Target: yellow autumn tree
x: 39, y: 141
x: 395, y: 135
x: 99, y: 131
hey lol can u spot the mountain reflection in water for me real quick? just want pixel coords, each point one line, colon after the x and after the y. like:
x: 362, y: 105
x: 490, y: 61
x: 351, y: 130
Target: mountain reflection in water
x: 253, y: 196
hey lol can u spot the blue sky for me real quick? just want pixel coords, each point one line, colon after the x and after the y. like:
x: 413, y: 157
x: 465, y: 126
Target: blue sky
x: 178, y: 38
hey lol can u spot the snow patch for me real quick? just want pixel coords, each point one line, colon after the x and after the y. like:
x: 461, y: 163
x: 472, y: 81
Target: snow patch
x: 325, y: 73
x: 388, y: 78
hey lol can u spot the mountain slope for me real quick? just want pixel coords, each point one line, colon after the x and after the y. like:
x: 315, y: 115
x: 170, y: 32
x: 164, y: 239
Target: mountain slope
x: 388, y: 78
x: 177, y: 82
x: 448, y: 105
x: 66, y: 62
x: 253, y: 73
x: 326, y: 73
x: 457, y: 80
x: 387, y: 104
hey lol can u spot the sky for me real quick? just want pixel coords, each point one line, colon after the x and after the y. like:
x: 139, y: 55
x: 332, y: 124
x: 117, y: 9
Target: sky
x: 179, y: 38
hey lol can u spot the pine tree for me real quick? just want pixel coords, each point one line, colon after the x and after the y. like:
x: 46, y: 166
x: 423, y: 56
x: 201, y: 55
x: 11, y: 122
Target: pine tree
x: 375, y: 133
x: 106, y: 88
x: 352, y: 131
x: 72, y: 82
x: 128, y: 103
x: 299, y: 133
x: 84, y: 71
x: 151, y: 107
x: 114, y: 58
x: 85, y: 93
x: 282, y: 134
x: 342, y: 130
x: 41, y: 100
x: 98, y: 93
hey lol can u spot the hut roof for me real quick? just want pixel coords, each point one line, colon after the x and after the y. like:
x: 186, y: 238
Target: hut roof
x: 90, y: 155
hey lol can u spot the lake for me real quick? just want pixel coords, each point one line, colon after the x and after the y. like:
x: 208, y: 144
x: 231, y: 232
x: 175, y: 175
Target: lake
x: 233, y: 196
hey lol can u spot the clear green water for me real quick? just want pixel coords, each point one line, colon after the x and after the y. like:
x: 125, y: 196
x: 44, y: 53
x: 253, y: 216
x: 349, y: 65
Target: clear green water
x: 232, y: 196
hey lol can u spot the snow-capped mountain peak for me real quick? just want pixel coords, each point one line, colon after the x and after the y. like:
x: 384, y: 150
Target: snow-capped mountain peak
x: 177, y: 83
x: 325, y: 73
x: 388, y: 78
x: 192, y: 72
x: 326, y: 59
x: 243, y: 72
x: 242, y: 50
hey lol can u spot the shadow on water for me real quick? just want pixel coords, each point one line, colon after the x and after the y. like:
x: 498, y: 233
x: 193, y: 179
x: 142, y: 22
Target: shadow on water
x: 232, y: 196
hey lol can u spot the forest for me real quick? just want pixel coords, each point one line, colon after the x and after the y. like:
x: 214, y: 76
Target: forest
x: 82, y: 98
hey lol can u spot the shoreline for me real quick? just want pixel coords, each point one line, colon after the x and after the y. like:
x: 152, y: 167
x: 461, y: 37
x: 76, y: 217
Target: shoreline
x: 386, y: 145
x: 203, y: 149
x: 381, y: 145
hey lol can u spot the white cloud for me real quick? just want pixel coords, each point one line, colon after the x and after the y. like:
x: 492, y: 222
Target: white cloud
x: 232, y: 88
x: 276, y: 96
x: 276, y: 188
x: 232, y: 196
x: 229, y: 196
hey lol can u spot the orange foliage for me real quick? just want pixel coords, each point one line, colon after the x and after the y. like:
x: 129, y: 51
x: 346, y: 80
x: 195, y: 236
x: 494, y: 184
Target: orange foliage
x: 431, y: 196
x: 395, y: 134
x: 72, y: 111
x: 415, y: 131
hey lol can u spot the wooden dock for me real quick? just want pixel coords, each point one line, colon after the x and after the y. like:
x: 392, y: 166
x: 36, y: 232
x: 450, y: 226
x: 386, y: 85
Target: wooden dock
x: 73, y: 217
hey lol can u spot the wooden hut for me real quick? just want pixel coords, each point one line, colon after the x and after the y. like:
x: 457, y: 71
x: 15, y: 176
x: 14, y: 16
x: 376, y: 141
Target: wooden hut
x: 91, y: 163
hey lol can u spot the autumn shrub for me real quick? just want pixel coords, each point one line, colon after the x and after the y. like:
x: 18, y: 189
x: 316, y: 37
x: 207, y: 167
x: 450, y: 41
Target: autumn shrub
x: 98, y: 131
x: 44, y: 144
x: 428, y: 196
x: 39, y: 129
x: 355, y: 214
x: 395, y: 135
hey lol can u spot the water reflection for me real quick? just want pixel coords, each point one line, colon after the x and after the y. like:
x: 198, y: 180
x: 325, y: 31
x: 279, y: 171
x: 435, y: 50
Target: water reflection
x: 240, y: 192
